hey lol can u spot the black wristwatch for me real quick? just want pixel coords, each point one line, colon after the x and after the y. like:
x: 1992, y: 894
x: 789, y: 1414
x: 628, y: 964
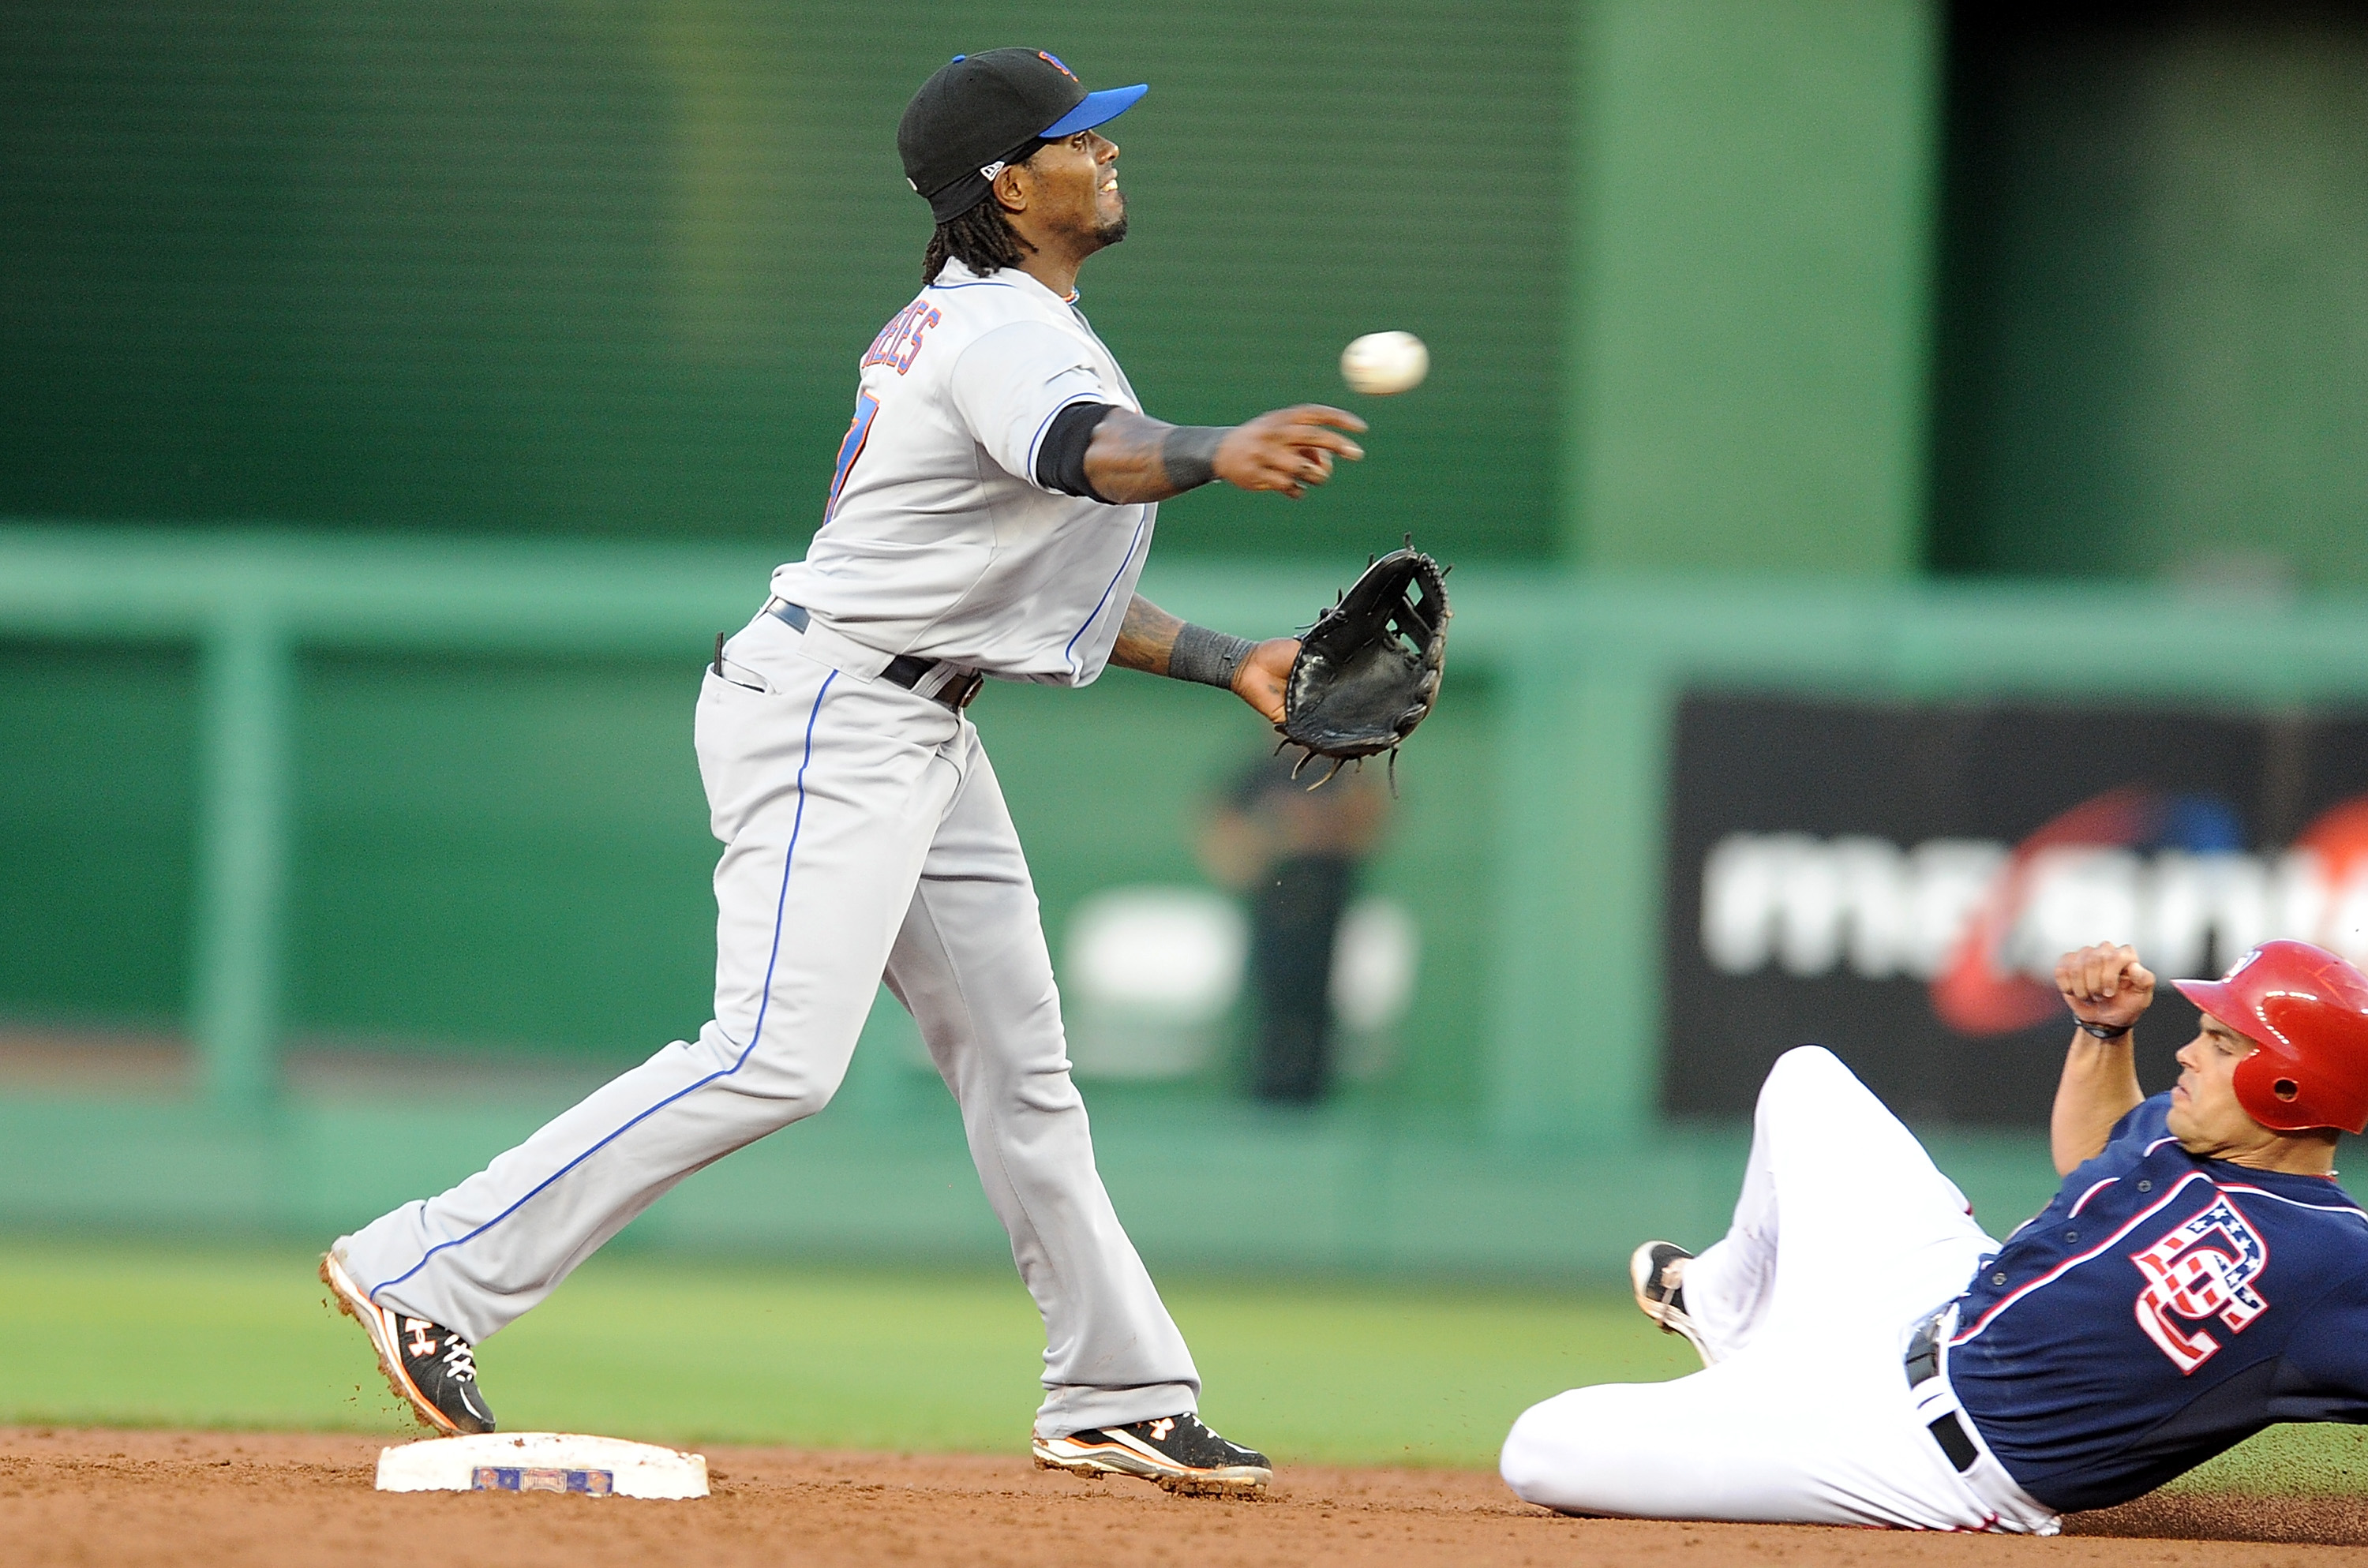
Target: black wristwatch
x: 2102, y: 1031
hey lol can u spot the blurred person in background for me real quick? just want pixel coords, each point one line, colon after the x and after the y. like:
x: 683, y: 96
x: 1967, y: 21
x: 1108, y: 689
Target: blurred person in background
x: 1296, y: 853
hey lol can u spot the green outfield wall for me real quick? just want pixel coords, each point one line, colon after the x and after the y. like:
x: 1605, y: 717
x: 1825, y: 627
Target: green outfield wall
x: 406, y: 393
x: 434, y: 798
x: 2154, y: 303
x: 1854, y: 286
x: 538, y: 266
x: 1750, y: 285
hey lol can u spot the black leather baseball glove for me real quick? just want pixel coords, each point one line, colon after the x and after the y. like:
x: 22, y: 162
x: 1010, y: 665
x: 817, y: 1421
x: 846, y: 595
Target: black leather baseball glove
x: 1367, y: 671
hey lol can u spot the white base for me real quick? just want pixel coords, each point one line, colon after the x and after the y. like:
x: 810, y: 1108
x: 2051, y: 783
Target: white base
x: 542, y: 1461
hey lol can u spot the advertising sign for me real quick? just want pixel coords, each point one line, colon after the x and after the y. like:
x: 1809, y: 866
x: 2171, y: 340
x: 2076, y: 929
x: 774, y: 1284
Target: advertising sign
x: 1897, y: 879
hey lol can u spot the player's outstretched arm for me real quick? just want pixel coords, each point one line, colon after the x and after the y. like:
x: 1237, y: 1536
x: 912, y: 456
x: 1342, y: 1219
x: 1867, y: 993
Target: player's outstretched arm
x: 2108, y: 991
x: 1133, y: 457
x: 1155, y: 642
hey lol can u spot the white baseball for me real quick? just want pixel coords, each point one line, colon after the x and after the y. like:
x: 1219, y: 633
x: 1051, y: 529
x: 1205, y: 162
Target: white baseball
x: 1380, y: 363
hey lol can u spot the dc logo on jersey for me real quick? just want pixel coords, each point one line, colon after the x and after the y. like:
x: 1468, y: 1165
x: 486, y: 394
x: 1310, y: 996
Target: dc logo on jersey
x: 2203, y: 1269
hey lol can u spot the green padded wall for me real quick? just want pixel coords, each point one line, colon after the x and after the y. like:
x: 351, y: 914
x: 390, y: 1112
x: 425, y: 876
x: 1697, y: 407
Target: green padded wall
x: 2157, y: 345
x: 1749, y: 305
x: 513, y: 854
x: 570, y: 266
x: 99, y: 784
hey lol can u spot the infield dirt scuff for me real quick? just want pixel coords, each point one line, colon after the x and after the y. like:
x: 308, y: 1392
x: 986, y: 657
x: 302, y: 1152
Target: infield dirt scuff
x: 203, y: 1498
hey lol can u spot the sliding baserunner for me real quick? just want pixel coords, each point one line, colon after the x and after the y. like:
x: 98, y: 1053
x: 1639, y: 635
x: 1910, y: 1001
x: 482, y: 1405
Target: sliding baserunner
x: 1872, y: 1358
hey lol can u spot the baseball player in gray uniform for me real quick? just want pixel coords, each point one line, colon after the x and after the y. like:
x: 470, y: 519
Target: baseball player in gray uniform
x: 989, y: 514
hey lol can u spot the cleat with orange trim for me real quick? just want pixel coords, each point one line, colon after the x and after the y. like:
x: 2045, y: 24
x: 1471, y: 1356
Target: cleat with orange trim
x: 430, y: 1367
x: 1175, y: 1452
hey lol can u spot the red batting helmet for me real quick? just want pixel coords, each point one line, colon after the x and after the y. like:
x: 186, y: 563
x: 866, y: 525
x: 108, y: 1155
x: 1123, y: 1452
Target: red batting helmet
x: 2307, y: 1010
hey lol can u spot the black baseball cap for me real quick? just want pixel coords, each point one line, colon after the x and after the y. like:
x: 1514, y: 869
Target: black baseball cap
x: 982, y: 112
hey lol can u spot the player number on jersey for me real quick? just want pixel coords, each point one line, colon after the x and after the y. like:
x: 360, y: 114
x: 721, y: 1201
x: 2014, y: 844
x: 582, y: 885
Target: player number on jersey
x: 2205, y: 1268
x: 859, y: 431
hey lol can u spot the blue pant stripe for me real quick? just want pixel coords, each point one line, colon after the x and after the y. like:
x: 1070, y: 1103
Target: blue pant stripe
x: 780, y: 906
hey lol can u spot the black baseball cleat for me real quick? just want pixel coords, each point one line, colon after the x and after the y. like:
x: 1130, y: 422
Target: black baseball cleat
x: 1658, y: 1270
x: 431, y: 1368
x: 1175, y: 1452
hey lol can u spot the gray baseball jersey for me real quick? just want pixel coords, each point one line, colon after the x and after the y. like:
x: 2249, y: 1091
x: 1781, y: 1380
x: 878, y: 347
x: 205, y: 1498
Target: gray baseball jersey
x: 866, y: 836
x: 937, y: 541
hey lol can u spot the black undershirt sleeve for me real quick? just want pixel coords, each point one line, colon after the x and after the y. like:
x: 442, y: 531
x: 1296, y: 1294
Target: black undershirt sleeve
x: 1061, y: 457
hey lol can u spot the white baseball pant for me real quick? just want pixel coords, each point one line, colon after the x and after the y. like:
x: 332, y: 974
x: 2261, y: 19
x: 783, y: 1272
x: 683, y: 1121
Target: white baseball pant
x: 1844, y: 1236
x: 864, y: 832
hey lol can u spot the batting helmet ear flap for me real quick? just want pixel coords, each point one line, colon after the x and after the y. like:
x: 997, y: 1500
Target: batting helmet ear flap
x: 2307, y: 1010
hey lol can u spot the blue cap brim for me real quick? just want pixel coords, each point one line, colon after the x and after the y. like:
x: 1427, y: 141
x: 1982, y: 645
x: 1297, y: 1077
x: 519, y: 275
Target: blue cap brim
x: 1099, y: 109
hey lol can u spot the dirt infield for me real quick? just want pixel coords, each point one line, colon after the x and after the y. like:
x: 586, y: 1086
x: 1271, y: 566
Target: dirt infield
x: 203, y: 1498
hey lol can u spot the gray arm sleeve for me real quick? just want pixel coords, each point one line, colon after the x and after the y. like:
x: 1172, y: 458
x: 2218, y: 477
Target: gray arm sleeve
x: 1189, y: 453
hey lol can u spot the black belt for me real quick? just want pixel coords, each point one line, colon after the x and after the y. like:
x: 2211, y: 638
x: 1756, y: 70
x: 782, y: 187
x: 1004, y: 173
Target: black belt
x: 903, y: 670
x: 1922, y: 1365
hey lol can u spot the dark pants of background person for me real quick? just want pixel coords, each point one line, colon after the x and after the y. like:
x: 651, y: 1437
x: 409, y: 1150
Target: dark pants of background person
x: 1293, y: 921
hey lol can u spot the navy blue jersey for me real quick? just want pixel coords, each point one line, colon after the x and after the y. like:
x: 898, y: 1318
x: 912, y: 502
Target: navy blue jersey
x: 2161, y: 1309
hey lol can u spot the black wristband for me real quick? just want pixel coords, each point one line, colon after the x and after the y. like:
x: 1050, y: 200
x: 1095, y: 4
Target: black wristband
x: 1208, y: 658
x: 1189, y: 453
x: 2102, y: 1032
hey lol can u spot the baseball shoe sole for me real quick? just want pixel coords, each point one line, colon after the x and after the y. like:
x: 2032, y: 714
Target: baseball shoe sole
x: 432, y: 1354
x: 1177, y: 1452
x: 1657, y: 1271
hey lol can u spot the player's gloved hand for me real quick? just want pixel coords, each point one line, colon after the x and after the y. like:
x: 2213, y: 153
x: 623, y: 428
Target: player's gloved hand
x: 1288, y: 449
x: 2105, y: 986
x: 1264, y: 675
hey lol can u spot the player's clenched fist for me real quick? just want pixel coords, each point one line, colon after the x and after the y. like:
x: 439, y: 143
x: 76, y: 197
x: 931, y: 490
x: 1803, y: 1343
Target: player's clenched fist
x: 2105, y: 986
x: 1288, y: 449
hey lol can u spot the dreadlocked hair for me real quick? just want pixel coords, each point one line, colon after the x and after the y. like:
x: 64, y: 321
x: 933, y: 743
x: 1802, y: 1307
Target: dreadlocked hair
x: 981, y: 239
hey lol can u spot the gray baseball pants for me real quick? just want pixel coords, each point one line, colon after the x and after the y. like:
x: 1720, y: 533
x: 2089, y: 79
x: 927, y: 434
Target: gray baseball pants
x: 864, y: 833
